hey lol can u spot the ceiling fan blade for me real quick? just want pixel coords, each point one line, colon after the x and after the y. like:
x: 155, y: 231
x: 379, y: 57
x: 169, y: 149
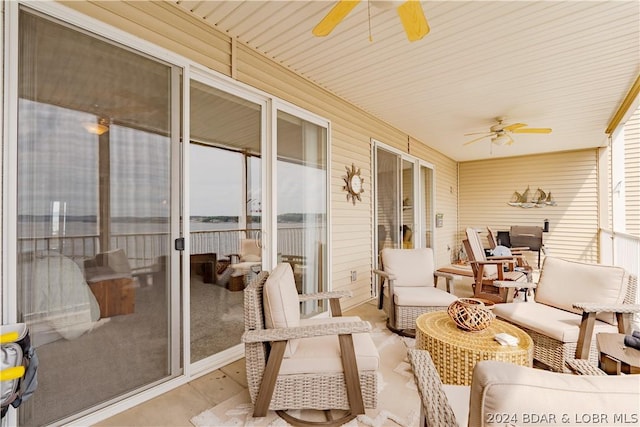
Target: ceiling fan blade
x: 413, y: 20
x: 532, y: 130
x: 477, y: 139
x: 334, y: 17
x: 479, y: 133
x: 514, y: 126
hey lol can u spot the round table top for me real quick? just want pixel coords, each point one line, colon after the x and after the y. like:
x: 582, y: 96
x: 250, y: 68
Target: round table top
x: 441, y: 327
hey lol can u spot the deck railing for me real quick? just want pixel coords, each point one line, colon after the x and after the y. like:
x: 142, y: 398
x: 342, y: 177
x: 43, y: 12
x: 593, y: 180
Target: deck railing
x: 623, y: 250
x: 143, y: 249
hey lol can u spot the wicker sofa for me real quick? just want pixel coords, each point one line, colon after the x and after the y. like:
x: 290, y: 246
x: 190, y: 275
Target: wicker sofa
x: 504, y: 394
x: 573, y: 302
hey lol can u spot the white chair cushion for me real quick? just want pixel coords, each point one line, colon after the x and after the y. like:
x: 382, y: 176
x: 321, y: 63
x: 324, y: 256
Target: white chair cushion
x: 563, y: 283
x: 411, y: 267
x: 322, y: 354
x: 422, y: 296
x: 458, y: 397
x: 281, y: 303
x: 561, y: 325
x: 517, y: 392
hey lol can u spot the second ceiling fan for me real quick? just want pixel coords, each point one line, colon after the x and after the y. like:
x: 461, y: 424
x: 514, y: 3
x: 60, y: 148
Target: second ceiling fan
x: 500, y: 133
x: 410, y: 13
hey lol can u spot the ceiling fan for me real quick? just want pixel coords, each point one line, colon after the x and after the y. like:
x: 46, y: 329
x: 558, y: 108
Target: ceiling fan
x: 410, y: 13
x: 500, y: 133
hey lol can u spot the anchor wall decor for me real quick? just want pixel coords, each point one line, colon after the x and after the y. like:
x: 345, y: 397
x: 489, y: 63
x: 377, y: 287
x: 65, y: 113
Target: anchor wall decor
x: 539, y: 199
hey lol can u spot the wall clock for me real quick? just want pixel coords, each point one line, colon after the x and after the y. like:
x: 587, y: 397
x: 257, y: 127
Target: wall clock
x: 353, y: 184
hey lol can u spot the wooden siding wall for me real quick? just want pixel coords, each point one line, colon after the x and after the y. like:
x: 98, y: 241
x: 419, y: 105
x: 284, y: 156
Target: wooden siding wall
x: 571, y: 177
x: 167, y: 26
x: 632, y: 174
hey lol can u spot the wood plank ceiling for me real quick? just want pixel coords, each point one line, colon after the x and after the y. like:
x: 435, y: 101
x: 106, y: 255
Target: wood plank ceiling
x: 566, y: 65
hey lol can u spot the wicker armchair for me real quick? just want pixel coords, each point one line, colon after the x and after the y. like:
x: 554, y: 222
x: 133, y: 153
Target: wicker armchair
x: 408, y: 287
x: 292, y: 363
x: 574, y: 301
x: 506, y: 394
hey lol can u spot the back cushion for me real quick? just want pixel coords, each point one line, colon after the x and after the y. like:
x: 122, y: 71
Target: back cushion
x: 563, y: 283
x: 412, y: 267
x: 281, y: 303
x: 507, y: 394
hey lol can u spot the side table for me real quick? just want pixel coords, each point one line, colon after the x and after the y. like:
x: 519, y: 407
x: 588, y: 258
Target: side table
x: 615, y: 358
x: 455, y: 352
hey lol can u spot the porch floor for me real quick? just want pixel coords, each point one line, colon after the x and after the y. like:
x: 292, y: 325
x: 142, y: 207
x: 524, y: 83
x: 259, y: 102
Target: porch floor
x: 176, y: 407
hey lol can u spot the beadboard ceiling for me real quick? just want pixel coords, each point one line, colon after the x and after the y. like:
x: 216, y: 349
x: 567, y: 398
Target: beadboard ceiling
x: 566, y: 65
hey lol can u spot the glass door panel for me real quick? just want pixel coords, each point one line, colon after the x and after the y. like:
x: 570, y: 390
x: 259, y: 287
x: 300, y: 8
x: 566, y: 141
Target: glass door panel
x: 387, y: 199
x: 302, y: 203
x: 93, y: 218
x: 226, y: 215
x: 407, y: 205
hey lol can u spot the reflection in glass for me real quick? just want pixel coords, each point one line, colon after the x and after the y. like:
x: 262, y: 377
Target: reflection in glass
x: 387, y: 199
x: 302, y: 203
x: 226, y: 215
x: 93, y: 217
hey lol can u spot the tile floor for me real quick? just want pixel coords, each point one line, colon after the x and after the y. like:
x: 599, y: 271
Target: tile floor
x: 176, y: 407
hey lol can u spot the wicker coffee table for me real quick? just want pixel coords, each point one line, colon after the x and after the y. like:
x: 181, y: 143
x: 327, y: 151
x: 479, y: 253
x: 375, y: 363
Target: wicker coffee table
x: 455, y: 352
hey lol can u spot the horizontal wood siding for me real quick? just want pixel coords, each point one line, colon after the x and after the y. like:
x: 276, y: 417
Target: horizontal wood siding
x: 571, y: 177
x: 167, y: 26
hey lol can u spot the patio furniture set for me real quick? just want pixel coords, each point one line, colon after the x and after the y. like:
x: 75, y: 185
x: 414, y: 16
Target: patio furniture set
x: 574, y: 302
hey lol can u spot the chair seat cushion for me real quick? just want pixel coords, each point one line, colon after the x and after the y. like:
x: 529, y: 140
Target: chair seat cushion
x: 561, y: 325
x: 322, y: 354
x: 458, y: 397
x: 427, y: 296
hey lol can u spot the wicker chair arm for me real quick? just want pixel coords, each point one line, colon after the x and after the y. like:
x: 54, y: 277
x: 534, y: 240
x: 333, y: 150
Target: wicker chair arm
x: 317, y: 330
x: 514, y: 284
x: 594, y: 307
x: 436, y: 407
x: 384, y: 274
x: 324, y: 295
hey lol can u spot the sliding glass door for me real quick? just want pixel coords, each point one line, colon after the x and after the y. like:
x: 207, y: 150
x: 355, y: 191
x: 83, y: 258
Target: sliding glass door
x: 97, y: 135
x: 225, y: 187
x: 404, y: 200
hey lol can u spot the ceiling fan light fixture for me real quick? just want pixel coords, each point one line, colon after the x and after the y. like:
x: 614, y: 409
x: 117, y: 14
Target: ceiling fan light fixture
x: 501, y: 140
x: 97, y: 128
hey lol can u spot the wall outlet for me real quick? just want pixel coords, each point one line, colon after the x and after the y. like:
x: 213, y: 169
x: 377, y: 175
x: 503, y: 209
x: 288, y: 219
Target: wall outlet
x: 354, y: 275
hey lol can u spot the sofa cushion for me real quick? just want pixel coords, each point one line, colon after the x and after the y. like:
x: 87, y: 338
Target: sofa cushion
x: 521, y: 394
x: 322, y: 354
x: 563, y: 283
x: 281, y: 303
x: 411, y: 267
x: 422, y: 296
x: 561, y: 325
